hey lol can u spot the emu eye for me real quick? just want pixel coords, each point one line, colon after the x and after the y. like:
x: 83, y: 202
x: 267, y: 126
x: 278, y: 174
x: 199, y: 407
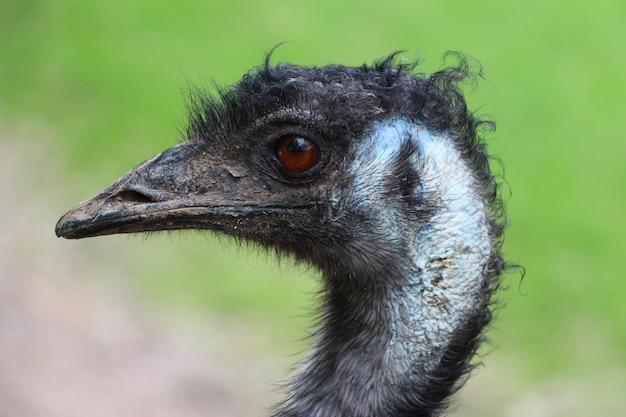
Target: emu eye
x: 297, y: 154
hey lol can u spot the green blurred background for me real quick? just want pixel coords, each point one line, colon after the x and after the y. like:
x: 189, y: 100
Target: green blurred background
x: 89, y: 89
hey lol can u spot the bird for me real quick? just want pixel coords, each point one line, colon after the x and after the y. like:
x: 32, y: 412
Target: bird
x: 376, y: 175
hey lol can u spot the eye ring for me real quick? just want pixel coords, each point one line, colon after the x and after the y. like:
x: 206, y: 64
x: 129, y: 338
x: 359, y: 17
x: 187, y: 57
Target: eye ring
x: 296, y: 153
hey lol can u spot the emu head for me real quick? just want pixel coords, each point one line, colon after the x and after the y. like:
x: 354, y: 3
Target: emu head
x: 373, y: 174
x: 315, y: 162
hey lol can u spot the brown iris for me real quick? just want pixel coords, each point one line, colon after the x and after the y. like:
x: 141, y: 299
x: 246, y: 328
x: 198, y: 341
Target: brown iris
x: 297, y: 154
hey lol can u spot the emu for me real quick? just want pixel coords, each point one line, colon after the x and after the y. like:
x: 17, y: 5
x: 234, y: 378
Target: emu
x: 376, y: 175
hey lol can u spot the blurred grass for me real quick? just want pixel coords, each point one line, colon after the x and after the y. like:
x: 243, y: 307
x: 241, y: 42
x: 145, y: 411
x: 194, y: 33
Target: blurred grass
x: 104, y: 79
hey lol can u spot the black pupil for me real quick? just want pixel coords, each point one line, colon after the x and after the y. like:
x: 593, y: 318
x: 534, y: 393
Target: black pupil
x: 297, y: 145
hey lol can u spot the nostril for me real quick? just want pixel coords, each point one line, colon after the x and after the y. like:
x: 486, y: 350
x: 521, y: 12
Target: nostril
x: 133, y: 196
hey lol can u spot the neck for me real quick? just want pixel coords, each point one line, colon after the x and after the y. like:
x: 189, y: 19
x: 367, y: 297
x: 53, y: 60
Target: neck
x: 400, y: 347
x: 385, y: 351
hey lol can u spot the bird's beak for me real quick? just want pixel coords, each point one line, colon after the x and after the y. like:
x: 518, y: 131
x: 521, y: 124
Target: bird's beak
x: 182, y: 188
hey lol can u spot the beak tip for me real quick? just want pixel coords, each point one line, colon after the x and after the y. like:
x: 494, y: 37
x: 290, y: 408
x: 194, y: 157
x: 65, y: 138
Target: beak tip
x: 73, y: 224
x: 78, y: 222
x: 62, y: 227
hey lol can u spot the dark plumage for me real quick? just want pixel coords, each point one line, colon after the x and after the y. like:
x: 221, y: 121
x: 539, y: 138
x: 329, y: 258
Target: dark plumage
x: 376, y: 176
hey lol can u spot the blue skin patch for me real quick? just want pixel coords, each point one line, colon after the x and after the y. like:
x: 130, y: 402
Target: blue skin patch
x: 448, y: 256
x: 374, y: 158
x: 388, y: 138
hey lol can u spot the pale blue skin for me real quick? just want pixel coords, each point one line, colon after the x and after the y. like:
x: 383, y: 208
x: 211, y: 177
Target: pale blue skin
x: 455, y: 246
